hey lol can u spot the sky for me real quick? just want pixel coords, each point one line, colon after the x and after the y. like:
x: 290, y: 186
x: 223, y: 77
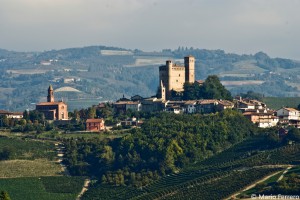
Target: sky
x: 236, y: 26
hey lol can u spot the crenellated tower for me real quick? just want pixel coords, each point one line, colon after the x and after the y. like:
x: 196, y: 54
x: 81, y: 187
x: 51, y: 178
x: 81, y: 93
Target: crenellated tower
x: 189, y: 64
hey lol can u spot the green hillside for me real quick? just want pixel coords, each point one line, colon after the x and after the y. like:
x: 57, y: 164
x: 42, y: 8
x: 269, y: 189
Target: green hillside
x: 215, y: 178
x: 279, y: 102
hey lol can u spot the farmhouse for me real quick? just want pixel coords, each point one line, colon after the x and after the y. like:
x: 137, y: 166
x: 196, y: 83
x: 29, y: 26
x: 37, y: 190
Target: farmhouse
x: 95, y: 125
x: 12, y: 115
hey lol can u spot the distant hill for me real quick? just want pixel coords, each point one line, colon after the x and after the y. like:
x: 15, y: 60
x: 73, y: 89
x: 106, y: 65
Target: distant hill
x: 109, y: 72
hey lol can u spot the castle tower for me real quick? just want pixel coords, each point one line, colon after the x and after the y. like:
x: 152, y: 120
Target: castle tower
x: 189, y: 64
x: 50, y: 97
x: 168, y: 86
x: 163, y: 91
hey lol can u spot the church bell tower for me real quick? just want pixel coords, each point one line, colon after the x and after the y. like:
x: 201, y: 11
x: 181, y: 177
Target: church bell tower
x: 50, y: 97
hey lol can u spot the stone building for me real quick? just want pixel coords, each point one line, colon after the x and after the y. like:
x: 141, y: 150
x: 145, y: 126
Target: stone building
x: 53, y: 110
x: 95, y: 125
x: 172, y: 77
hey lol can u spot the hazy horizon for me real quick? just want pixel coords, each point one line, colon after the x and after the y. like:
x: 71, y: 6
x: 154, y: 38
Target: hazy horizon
x: 242, y: 27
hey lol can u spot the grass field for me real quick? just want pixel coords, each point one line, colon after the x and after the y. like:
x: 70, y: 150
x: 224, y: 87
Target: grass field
x: 278, y: 102
x: 29, y: 168
x: 42, y: 188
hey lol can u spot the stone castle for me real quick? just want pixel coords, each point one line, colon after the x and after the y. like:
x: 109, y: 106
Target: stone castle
x: 172, y: 77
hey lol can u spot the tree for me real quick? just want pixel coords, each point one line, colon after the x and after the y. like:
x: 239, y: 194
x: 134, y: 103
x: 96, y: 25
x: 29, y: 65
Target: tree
x: 6, y: 153
x: 294, y: 134
x: 26, y: 115
x: 213, y: 89
x: 252, y: 95
x: 36, y: 116
x: 4, y: 196
x: 190, y: 91
x: 298, y: 107
x: 91, y: 113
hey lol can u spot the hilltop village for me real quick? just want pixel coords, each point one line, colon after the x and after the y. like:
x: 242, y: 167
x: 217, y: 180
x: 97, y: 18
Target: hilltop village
x: 174, y: 79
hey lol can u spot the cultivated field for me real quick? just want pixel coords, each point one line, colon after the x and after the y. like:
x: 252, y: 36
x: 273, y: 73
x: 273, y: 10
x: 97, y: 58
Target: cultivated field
x: 29, y: 168
x: 43, y: 188
x: 26, y: 149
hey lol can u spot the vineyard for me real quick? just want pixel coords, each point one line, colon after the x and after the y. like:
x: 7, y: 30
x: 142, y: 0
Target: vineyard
x: 29, y: 168
x: 215, y: 178
x: 43, y: 188
x: 26, y: 149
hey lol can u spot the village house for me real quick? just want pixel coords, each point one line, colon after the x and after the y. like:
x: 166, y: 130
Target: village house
x: 11, y: 115
x: 262, y: 117
x: 95, y: 125
x: 289, y: 116
x: 133, y: 106
x: 206, y: 106
x: 257, y: 104
x: 176, y: 109
x: 153, y: 104
x: 132, y: 122
x: 224, y: 104
x: 244, y: 106
x: 123, y: 106
x: 190, y: 106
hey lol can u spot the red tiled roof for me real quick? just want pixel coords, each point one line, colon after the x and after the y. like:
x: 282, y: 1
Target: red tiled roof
x: 199, y: 81
x: 226, y: 103
x: 10, y: 113
x: 4, y: 112
x: 94, y: 120
x: 50, y: 103
x: 207, y: 101
x: 190, y: 102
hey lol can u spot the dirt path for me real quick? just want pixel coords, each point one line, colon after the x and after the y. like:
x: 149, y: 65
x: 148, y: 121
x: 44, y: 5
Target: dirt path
x: 60, y: 150
x: 84, y: 189
x: 252, y: 185
x: 288, y: 167
x: 285, y: 171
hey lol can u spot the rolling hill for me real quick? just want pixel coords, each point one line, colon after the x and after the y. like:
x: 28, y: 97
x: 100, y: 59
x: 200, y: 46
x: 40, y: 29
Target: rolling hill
x: 106, y: 73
